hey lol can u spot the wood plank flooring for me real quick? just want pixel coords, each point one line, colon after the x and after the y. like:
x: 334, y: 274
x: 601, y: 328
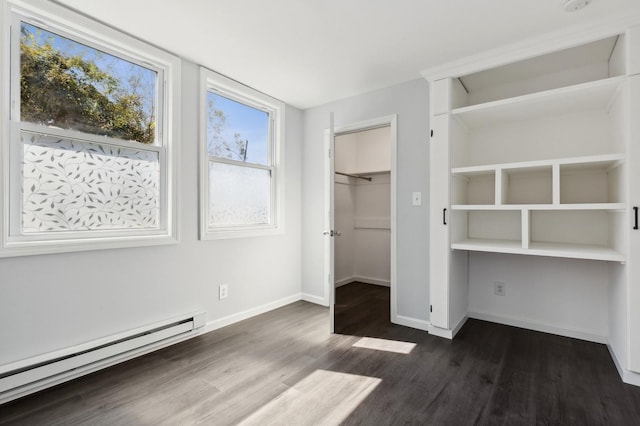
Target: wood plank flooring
x: 283, y: 368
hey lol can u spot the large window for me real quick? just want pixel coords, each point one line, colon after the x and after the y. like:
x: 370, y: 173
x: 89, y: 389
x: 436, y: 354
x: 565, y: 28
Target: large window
x: 88, y: 146
x: 241, y: 173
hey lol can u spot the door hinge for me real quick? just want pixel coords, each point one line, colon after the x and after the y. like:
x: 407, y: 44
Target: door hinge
x: 329, y: 153
x: 430, y: 308
x: 431, y: 132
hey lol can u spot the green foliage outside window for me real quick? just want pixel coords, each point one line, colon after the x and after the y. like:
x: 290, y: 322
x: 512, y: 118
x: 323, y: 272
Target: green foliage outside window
x: 70, y: 91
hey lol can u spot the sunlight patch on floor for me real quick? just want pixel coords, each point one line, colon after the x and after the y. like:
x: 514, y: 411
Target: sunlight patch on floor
x: 321, y: 398
x: 385, y: 345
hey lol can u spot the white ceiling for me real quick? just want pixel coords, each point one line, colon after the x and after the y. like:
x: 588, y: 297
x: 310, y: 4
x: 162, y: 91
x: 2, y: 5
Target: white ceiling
x: 309, y: 52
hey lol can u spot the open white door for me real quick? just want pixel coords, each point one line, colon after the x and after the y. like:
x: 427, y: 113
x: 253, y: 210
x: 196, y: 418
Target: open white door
x: 329, y: 230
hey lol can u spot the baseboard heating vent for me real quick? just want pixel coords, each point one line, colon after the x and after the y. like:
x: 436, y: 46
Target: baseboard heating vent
x: 30, y: 375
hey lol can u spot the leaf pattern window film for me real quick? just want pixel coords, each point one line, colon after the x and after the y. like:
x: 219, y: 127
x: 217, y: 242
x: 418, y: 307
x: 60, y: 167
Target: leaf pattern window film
x: 236, y: 131
x: 238, y: 195
x: 69, y: 85
x: 71, y: 185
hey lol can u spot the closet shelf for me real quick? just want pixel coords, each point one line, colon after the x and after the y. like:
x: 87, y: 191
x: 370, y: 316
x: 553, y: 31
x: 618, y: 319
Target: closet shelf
x: 573, y: 251
x: 593, y: 95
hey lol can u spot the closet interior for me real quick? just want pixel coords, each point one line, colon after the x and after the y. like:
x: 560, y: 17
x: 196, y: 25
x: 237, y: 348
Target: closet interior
x: 363, y: 207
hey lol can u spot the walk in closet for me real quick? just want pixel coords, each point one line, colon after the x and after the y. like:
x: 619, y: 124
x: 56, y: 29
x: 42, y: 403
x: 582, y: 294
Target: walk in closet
x: 362, y: 207
x: 535, y: 188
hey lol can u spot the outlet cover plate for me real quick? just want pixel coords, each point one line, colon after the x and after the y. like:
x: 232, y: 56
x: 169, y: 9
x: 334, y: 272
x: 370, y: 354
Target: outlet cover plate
x: 223, y: 291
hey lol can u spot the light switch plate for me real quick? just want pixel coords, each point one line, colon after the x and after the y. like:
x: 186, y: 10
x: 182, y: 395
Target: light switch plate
x: 416, y: 199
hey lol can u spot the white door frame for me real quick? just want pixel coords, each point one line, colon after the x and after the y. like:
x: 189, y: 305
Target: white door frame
x: 392, y: 122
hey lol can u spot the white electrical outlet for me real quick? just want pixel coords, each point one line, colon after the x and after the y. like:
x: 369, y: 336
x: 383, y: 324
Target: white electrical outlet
x: 223, y: 291
x: 499, y: 288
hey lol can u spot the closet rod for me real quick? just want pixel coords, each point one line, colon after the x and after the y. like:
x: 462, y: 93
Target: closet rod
x: 354, y: 176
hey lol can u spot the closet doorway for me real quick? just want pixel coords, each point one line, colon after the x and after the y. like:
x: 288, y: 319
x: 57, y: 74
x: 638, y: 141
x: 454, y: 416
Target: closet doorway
x: 363, y: 272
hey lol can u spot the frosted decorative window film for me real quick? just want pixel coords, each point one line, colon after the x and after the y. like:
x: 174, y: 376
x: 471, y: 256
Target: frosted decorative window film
x: 70, y: 185
x: 238, y: 195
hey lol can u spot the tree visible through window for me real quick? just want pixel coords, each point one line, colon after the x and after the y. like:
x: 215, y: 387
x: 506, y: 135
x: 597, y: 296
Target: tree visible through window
x: 87, y: 158
x: 69, y: 85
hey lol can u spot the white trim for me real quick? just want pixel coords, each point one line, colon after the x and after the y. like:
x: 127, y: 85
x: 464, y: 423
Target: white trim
x: 616, y: 361
x: 85, y: 30
x: 252, y: 312
x: 412, y: 322
x: 627, y: 376
x: 312, y: 298
x: 446, y: 333
x: 539, y: 326
x: 440, y: 332
x: 365, y: 280
x: 392, y: 122
x: 535, y: 46
x: 211, y: 81
x: 345, y: 281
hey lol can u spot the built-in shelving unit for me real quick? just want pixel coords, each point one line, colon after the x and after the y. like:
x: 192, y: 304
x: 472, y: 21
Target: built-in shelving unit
x: 536, y: 155
x: 540, y: 172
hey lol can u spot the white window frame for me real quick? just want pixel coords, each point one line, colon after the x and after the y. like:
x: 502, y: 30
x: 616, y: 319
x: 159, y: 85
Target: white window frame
x: 216, y: 83
x: 67, y: 23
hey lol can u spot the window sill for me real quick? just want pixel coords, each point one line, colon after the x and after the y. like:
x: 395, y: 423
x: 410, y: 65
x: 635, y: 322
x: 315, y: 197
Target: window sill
x: 13, y: 249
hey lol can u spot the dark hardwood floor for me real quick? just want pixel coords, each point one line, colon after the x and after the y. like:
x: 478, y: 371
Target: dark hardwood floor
x: 284, y: 368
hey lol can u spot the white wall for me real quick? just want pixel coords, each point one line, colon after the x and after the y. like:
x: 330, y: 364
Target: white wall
x: 410, y: 101
x: 56, y: 301
x: 362, y: 215
x: 564, y: 296
x: 372, y: 229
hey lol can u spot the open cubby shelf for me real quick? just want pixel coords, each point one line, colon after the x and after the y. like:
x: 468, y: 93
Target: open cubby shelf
x: 565, y: 183
x: 550, y: 249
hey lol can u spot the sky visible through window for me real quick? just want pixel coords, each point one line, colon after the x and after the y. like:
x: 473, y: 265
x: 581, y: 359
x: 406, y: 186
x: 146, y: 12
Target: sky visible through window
x: 248, y: 123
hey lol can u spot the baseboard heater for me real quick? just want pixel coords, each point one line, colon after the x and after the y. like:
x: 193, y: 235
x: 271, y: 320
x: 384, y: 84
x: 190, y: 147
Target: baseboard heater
x: 33, y: 374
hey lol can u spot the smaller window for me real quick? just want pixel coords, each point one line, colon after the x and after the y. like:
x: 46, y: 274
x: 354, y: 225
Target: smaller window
x: 241, y: 173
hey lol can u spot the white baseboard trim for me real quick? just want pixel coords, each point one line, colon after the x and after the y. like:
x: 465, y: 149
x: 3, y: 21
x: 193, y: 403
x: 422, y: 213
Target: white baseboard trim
x: 627, y: 376
x: 616, y: 361
x: 459, y: 325
x: 539, y: 326
x: 411, y: 322
x: 440, y: 332
x: 345, y: 281
x: 366, y: 280
x: 374, y: 281
x: 312, y: 298
x: 631, y: 378
x: 240, y: 316
x: 448, y: 333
